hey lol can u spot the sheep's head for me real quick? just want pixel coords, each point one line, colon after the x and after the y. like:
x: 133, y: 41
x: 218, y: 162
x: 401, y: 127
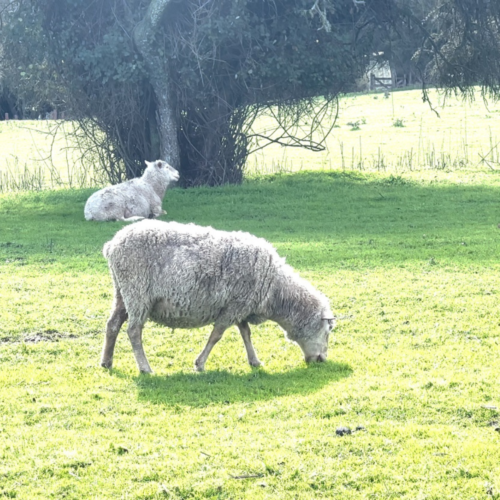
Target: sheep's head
x: 315, y: 345
x: 163, y: 170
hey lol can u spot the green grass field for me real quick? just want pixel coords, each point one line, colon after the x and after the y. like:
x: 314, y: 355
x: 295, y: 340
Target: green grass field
x: 37, y: 155
x: 397, y: 134
x: 411, y: 267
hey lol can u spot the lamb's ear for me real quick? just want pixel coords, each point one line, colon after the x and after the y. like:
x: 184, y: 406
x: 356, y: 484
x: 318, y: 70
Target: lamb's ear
x: 159, y: 163
x: 148, y: 163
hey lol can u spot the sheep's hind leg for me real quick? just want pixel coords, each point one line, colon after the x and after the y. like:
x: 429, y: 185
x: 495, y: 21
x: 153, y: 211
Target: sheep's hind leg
x: 215, y: 336
x: 117, y: 318
x: 135, y: 335
x: 245, y: 335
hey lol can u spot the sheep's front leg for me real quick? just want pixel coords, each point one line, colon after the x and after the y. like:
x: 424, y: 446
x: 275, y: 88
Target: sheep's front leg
x: 117, y: 318
x: 156, y: 208
x: 215, y: 336
x: 245, y: 335
x: 135, y: 335
x: 155, y: 214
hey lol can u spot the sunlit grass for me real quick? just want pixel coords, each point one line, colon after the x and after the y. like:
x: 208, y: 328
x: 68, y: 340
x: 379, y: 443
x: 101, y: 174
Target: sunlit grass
x: 39, y: 154
x: 452, y: 134
x: 368, y: 136
x: 411, y: 269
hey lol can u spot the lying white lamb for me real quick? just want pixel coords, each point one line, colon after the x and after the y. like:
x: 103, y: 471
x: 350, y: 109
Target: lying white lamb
x: 187, y: 276
x: 134, y: 199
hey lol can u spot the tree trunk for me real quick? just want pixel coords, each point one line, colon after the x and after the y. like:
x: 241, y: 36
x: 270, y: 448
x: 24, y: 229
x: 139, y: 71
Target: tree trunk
x: 144, y: 36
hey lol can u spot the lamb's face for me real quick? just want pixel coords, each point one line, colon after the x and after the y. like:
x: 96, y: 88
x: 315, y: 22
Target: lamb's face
x: 315, y: 344
x: 164, y: 170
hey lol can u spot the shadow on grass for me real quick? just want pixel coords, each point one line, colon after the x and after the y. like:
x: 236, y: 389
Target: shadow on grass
x: 224, y: 387
x: 317, y: 220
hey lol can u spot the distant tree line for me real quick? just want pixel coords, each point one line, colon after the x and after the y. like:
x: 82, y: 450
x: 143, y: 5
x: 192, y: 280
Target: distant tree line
x: 186, y: 80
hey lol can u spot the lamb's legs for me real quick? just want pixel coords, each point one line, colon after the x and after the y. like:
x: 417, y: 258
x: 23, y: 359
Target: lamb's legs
x: 245, y: 335
x: 215, y: 336
x: 156, y: 208
x: 117, y: 318
x: 156, y: 213
x: 135, y: 335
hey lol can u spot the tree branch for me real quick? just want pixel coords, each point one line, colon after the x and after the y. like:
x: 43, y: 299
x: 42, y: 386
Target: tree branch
x: 146, y: 29
x: 159, y: 74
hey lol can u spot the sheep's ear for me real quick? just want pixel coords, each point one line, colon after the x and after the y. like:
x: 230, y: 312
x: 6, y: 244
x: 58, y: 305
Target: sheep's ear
x: 159, y: 163
x: 148, y: 163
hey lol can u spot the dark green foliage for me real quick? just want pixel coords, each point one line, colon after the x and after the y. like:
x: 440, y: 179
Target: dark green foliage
x: 275, y: 50
x: 30, y: 86
x: 400, y: 36
x: 465, y: 42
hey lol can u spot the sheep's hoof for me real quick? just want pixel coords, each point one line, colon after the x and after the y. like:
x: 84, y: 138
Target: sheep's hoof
x: 199, y: 367
x: 107, y: 364
x: 255, y: 363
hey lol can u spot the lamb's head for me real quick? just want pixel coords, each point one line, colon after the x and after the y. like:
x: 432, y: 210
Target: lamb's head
x: 162, y: 171
x: 313, y: 339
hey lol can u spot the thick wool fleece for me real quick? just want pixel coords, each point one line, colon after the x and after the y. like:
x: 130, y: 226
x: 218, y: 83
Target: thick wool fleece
x: 187, y: 276
x: 136, y: 198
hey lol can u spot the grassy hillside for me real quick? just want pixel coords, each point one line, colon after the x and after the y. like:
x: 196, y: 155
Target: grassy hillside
x: 398, y: 133
x: 37, y: 155
x: 373, y: 133
x: 411, y: 269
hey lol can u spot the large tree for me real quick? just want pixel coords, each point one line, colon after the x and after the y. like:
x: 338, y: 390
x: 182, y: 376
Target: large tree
x: 185, y: 80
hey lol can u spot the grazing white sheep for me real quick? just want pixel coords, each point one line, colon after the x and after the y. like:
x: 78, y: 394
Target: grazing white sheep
x: 187, y: 276
x: 134, y: 199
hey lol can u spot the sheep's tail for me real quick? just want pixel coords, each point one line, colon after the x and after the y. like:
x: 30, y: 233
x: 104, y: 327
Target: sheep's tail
x: 106, y: 249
